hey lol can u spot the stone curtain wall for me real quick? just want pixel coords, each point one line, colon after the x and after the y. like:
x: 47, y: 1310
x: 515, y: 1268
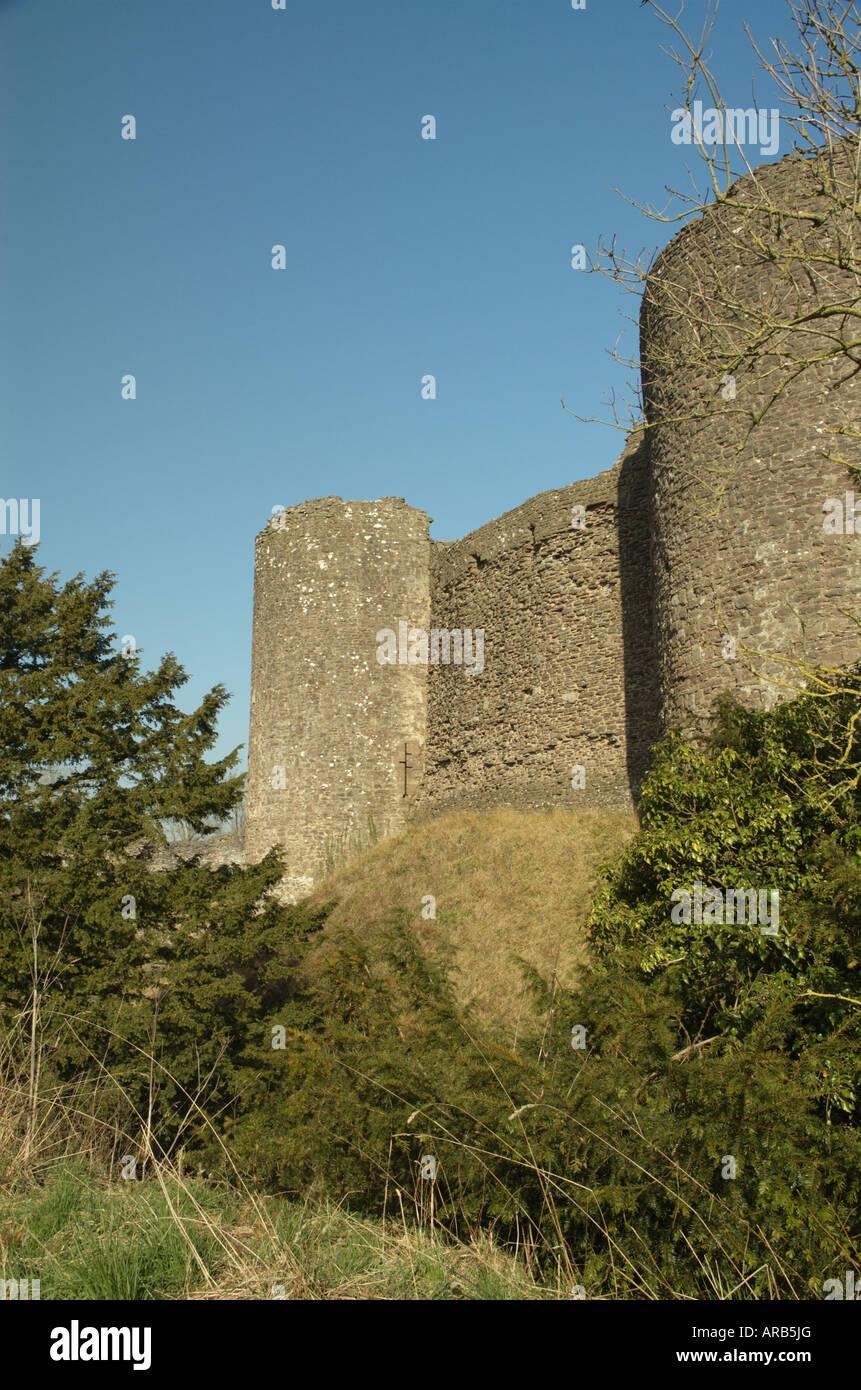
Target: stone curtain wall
x: 328, y: 723
x: 565, y: 679
x: 739, y: 548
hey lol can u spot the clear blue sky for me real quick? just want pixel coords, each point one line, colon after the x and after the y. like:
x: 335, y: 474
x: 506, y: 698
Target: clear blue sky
x: 404, y: 257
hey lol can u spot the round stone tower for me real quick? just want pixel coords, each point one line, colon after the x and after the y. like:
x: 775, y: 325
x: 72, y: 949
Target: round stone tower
x: 337, y: 737
x: 747, y: 320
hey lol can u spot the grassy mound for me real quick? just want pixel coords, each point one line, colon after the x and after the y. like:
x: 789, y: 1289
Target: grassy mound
x: 507, y: 884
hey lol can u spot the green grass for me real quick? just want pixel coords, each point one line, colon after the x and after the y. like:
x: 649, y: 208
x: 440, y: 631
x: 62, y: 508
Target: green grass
x: 89, y: 1240
x: 84, y: 1237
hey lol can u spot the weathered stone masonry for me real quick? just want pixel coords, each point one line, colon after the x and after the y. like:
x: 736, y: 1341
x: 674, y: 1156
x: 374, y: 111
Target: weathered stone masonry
x: 328, y: 723
x: 568, y: 680
x: 745, y: 534
x: 598, y: 634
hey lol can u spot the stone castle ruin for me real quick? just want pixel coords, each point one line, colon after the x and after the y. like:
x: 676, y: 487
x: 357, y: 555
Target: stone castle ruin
x: 534, y: 662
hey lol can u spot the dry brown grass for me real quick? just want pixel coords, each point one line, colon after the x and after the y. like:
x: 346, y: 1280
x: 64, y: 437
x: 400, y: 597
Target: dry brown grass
x: 322, y: 1251
x: 507, y: 883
